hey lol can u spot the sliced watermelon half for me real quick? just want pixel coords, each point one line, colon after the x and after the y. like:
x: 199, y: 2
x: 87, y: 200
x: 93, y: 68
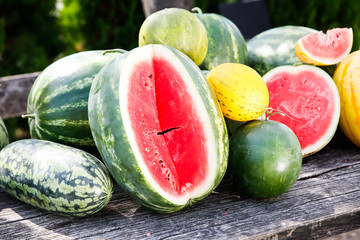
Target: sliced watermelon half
x: 309, y: 100
x: 159, y: 127
x: 325, y: 49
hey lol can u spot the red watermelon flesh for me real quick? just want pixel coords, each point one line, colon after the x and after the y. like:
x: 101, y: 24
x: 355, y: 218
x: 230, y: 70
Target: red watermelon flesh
x: 310, y: 102
x: 169, y: 131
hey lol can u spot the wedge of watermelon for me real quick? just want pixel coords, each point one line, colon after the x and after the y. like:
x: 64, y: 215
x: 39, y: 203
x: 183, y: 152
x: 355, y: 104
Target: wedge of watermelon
x: 309, y: 99
x: 325, y: 49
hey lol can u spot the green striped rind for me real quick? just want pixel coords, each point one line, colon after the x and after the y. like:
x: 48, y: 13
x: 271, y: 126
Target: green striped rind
x: 55, y: 177
x: 4, y: 136
x: 275, y: 47
x: 57, y: 103
x: 225, y: 41
x: 205, y: 73
x: 112, y: 142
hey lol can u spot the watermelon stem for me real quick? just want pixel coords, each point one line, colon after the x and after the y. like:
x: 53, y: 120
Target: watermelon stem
x: 29, y: 115
x: 269, y: 115
x: 270, y: 111
x: 197, y: 10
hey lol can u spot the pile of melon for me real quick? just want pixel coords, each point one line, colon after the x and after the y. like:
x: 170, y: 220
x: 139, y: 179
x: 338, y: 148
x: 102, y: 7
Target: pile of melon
x: 192, y: 101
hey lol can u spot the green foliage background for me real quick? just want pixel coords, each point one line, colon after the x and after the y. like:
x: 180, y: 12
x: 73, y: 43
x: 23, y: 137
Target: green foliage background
x: 35, y: 33
x: 321, y: 15
x: 29, y: 35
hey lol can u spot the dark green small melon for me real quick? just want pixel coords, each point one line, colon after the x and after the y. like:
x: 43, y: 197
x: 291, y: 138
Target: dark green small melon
x: 265, y: 158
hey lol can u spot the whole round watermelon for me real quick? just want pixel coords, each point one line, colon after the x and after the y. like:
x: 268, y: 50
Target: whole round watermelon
x: 177, y: 28
x: 275, y: 47
x: 57, y: 102
x: 226, y: 44
x: 159, y: 128
x: 265, y: 158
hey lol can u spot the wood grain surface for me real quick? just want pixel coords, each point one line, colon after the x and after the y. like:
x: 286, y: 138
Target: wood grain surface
x: 323, y: 202
x: 14, y: 91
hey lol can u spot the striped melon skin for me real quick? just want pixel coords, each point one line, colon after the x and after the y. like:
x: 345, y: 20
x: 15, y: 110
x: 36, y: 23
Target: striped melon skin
x: 116, y: 146
x: 275, y: 47
x: 226, y: 44
x: 57, y: 102
x: 347, y: 80
x: 4, y: 136
x: 55, y: 177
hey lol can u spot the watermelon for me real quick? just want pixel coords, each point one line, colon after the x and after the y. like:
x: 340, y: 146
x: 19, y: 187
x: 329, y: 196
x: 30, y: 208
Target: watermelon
x: 205, y: 73
x: 4, y: 136
x: 178, y: 28
x: 309, y: 100
x: 325, y: 49
x: 232, y: 125
x: 347, y: 80
x: 265, y: 158
x: 275, y: 47
x: 158, y: 127
x: 57, y: 102
x: 55, y: 177
x: 226, y: 44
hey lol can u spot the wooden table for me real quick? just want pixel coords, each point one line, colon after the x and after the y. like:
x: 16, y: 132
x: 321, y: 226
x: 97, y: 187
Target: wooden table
x: 324, y: 201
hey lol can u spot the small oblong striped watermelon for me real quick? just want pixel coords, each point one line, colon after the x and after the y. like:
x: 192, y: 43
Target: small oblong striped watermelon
x: 55, y: 177
x: 57, y: 102
x: 310, y: 101
x: 226, y: 44
x: 159, y: 128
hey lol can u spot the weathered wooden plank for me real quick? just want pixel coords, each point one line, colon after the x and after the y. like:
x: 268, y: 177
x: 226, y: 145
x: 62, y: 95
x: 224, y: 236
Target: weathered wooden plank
x: 14, y: 91
x: 323, y: 202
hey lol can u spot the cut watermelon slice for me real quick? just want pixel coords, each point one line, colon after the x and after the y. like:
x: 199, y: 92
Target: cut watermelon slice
x: 310, y: 101
x: 170, y: 137
x: 159, y: 127
x: 325, y: 49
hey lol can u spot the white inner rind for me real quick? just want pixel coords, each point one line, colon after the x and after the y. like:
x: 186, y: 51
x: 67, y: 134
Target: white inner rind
x: 325, y: 139
x: 147, y: 53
